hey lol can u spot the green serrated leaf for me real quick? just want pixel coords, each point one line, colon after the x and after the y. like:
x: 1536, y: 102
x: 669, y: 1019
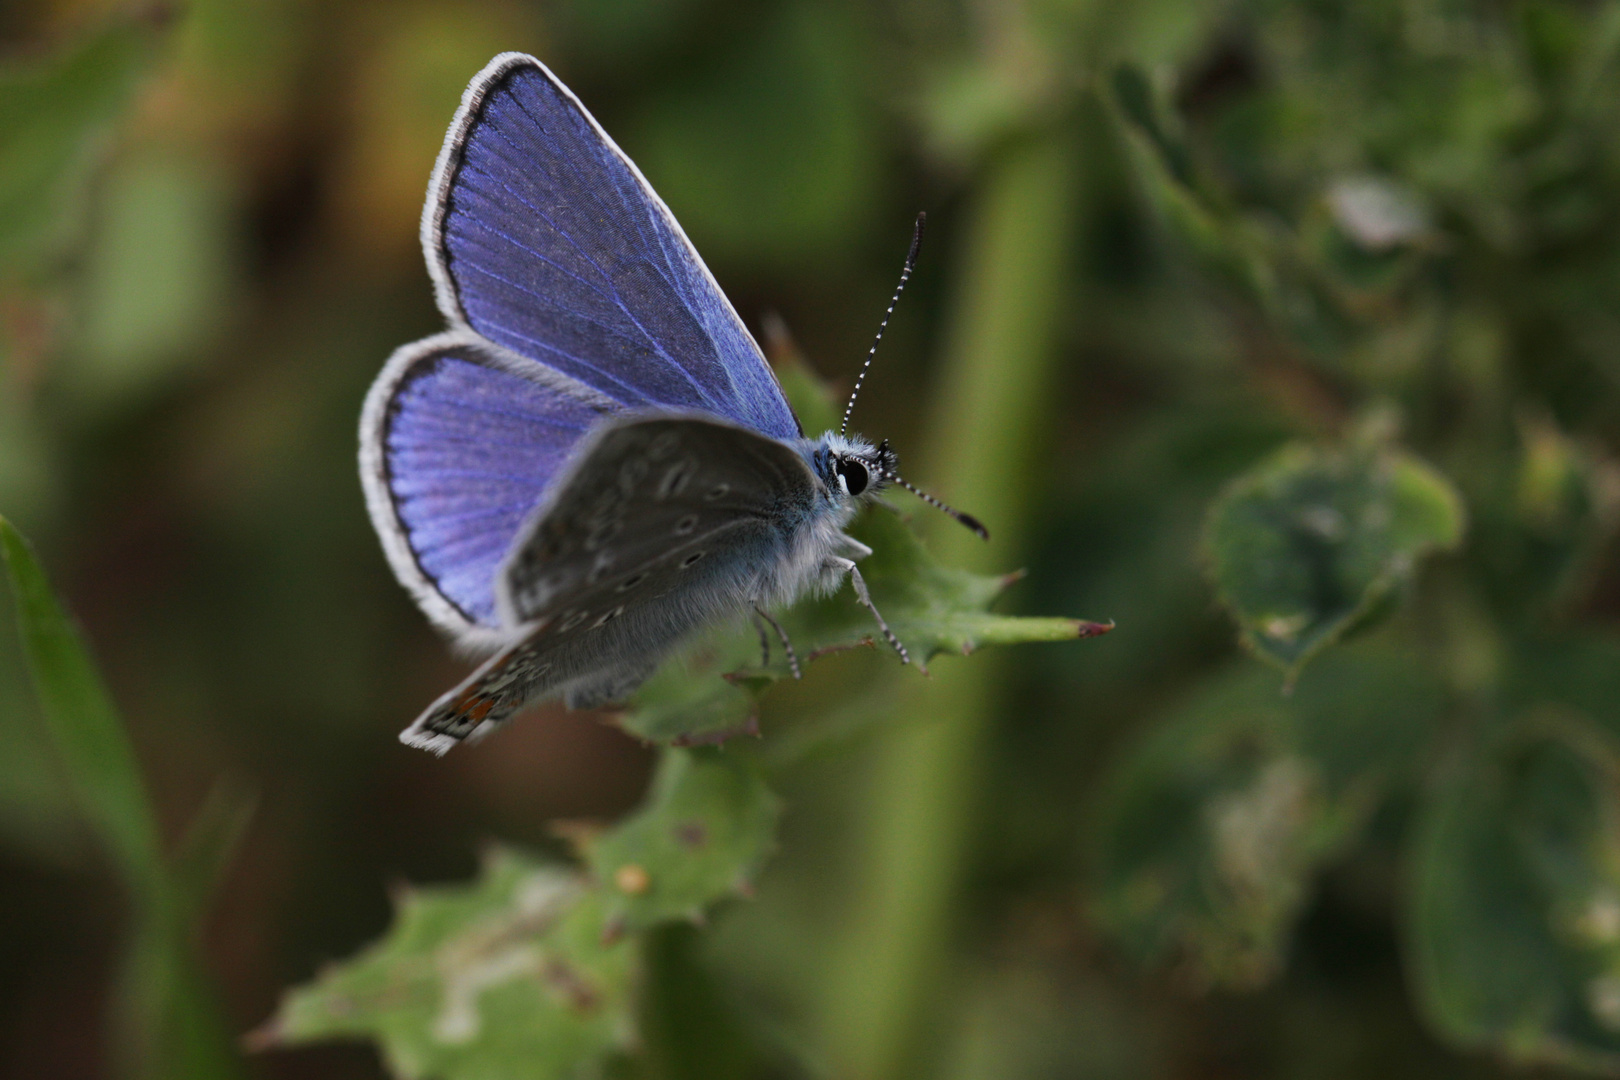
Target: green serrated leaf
x: 691, y: 700
x: 55, y: 116
x: 1211, y: 829
x: 512, y: 975
x: 934, y: 608
x: 1307, y: 545
x: 714, y: 691
x: 1514, y: 911
x: 706, y: 829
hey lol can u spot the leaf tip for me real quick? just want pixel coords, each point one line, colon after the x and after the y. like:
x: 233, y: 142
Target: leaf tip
x: 1084, y: 628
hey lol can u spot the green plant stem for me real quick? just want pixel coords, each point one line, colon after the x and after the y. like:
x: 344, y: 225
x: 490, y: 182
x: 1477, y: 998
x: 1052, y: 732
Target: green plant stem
x: 986, y: 428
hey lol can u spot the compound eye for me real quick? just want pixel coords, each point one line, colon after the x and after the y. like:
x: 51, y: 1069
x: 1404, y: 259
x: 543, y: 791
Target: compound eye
x: 854, y: 474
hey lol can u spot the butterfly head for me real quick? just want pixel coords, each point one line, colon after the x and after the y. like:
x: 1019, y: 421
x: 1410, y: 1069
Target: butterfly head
x: 851, y: 467
x: 854, y: 471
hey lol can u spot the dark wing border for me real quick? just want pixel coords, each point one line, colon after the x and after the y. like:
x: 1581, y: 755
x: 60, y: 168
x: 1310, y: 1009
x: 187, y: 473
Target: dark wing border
x: 473, y: 636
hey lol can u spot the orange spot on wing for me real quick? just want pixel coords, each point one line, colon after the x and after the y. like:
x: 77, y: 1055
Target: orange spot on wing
x: 475, y: 706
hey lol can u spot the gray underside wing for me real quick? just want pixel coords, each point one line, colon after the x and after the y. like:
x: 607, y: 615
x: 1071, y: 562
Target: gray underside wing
x: 661, y: 525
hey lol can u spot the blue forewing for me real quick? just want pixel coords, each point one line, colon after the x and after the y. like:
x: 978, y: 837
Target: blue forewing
x: 544, y: 238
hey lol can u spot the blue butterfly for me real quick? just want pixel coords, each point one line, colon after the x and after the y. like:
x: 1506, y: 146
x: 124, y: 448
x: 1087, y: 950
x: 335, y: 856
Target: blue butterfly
x: 595, y: 459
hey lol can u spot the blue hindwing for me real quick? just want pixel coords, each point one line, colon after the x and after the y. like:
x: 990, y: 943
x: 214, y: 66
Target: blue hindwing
x: 459, y: 442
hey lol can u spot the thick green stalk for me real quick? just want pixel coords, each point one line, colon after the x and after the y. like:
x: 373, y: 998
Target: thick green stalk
x: 994, y: 409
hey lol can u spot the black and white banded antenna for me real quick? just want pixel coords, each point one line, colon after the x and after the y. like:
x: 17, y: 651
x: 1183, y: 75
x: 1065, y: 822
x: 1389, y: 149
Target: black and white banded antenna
x: 973, y: 523
x: 905, y: 276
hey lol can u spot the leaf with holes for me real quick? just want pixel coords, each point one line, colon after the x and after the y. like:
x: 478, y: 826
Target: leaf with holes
x: 511, y: 975
x: 705, y: 830
x: 1314, y: 541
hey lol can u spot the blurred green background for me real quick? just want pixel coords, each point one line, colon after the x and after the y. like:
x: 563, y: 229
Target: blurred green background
x: 1290, y: 320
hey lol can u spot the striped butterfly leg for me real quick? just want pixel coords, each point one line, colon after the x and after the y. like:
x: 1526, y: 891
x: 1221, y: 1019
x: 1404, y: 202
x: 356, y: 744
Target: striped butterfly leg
x: 764, y: 640
x: 765, y: 645
x: 847, y: 566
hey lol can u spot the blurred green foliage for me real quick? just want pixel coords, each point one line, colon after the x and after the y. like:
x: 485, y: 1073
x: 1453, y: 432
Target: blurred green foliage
x: 166, y: 1020
x: 1310, y: 544
x: 1217, y: 823
x: 57, y: 113
x: 1286, y: 323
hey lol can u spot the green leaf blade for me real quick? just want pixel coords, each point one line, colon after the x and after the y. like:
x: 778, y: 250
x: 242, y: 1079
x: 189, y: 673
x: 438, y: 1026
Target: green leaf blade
x: 168, y: 1021
x: 706, y: 829
x: 84, y: 724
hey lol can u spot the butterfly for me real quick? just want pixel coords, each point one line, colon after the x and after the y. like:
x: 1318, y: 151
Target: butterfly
x: 594, y: 460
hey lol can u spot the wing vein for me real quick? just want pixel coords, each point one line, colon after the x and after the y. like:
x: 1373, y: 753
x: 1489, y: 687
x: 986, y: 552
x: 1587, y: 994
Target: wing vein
x: 618, y: 298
